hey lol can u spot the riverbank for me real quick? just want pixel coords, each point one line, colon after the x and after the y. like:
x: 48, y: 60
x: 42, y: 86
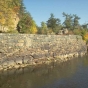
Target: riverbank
x: 22, y: 60
x: 21, y: 50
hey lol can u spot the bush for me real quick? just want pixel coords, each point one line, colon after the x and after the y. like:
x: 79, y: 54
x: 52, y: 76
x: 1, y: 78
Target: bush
x: 77, y: 31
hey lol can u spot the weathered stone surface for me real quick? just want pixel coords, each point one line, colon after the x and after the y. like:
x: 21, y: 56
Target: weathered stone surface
x: 39, y: 55
x: 27, y: 59
x: 19, y: 60
x: 22, y: 49
x: 11, y: 63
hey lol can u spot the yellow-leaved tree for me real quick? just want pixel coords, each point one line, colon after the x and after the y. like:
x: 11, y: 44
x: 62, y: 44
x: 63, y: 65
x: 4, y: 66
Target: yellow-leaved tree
x: 33, y: 28
x: 8, y: 12
x: 13, y: 15
x: 86, y: 36
x: 27, y: 24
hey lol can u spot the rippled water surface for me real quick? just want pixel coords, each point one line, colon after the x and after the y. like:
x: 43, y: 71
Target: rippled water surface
x: 70, y: 74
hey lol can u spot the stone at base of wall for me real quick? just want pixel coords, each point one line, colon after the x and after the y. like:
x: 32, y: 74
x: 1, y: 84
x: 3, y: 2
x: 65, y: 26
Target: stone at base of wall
x: 20, y: 63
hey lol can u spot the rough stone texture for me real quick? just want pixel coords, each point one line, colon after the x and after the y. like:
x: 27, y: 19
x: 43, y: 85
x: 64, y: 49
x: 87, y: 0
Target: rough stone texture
x: 32, y: 49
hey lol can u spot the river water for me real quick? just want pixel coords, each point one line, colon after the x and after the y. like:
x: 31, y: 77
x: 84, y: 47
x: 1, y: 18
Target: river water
x: 70, y: 74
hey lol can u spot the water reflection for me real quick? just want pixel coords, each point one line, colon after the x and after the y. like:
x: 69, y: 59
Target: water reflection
x: 64, y: 75
x: 85, y: 61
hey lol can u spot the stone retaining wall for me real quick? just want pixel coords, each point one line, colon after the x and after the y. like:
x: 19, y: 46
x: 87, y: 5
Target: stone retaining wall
x: 20, y: 50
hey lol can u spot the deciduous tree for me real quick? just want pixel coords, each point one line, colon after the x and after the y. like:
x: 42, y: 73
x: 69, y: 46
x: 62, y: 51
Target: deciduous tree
x: 7, y: 10
x: 26, y: 24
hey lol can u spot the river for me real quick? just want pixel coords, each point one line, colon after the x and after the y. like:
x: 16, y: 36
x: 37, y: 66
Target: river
x: 70, y: 74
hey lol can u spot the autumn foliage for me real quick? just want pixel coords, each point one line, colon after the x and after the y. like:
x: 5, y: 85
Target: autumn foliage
x: 10, y: 10
x: 86, y: 36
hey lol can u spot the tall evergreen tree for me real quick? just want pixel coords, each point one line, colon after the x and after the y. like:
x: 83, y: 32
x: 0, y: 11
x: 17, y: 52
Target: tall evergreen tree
x: 68, y: 20
x: 53, y: 23
x: 75, y: 21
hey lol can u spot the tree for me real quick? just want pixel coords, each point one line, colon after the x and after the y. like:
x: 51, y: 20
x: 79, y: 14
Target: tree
x: 22, y: 10
x: 43, y: 28
x: 53, y: 23
x: 75, y: 21
x: 71, y: 21
x: 68, y: 20
x: 8, y: 8
x: 26, y: 24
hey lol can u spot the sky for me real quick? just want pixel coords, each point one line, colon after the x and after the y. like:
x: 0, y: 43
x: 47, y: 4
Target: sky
x: 40, y: 10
